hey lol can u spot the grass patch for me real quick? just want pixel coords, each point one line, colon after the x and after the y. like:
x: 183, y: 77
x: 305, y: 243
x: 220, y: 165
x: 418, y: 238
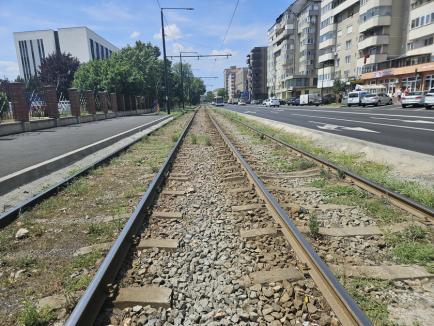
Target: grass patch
x: 30, y: 316
x: 413, y: 245
x: 80, y: 263
x: 201, y: 139
x: 279, y: 162
x: 313, y: 226
x: 375, y: 310
x: 376, y: 172
x: 102, y: 231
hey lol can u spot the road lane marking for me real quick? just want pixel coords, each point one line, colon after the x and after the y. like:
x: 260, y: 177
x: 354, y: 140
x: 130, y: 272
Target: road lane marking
x: 410, y: 121
x: 362, y: 113
x: 365, y: 122
x: 327, y: 126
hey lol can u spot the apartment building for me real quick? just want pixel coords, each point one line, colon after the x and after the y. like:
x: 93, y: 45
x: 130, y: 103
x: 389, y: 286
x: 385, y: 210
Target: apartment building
x: 235, y: 82
x: 257, y: 73
x: 292, y: 53
x: 412, y: 66
x: 80, y: 42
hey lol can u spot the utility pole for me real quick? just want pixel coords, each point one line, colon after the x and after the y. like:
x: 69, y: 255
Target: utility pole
x: 166, y: 82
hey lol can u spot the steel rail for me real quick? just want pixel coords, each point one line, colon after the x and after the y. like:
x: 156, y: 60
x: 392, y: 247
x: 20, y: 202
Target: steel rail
x: 340, y: 301
x: 395, y: 198
x: 89, y: 306
x: 12, y: 214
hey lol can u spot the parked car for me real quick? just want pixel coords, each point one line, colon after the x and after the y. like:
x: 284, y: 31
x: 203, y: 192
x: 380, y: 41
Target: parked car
x: 294, y: 101
x: 241, y: 102
x: 328, y: 99
x: 282, y: 102
x: 273, y: 102
x: 376, y: 99
x: 429, y: 99
x: 355, y: 98
x: 264, y: 102
x: 255, y: 102
x: 412, y: 99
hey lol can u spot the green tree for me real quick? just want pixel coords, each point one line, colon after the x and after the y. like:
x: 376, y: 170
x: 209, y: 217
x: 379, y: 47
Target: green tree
x: 4, y: 104
x: 58, y: 70
x: 133, y: 70
x: 209, y: 96
x: 338, y: 89
x: 196, y: 89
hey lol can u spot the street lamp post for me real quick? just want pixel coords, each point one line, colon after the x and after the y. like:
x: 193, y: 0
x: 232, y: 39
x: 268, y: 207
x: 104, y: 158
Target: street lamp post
x: 166, y: 82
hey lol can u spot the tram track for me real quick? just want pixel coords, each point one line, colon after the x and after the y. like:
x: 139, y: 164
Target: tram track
x: 204, y: 257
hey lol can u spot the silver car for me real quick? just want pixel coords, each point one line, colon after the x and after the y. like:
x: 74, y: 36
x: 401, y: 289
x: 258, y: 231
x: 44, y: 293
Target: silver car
x: 376, y: 99
x: 413, y: 99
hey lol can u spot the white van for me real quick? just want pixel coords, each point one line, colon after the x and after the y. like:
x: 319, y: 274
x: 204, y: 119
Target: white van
x: 355, y: 98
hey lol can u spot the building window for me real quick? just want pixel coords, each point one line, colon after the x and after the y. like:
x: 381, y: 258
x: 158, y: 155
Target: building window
x: 348, y: 44
x: 348, y: 59
x: 97, y: 50
x: 376, y: 11
x: 429, y: 82
x: 428, y: 41
x: 92, y: 51
x: 106, y: 53
x: 339, y: 33
x: 349, y: 29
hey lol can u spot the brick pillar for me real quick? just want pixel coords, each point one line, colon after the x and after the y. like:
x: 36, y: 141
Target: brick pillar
x: 74, y: 100
x: 103, y: 101
x: 90, y: 102
x: 114, y: 101
x: 20, y: 109
x: 50, y: 95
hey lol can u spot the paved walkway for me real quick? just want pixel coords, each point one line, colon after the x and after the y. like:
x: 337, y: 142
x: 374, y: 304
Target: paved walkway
x: 23, y: 150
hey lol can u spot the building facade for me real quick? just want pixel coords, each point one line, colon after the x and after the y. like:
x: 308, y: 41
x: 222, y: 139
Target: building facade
x: 80, y: 42
x: 292, y: 52
x: 257, y: 73
x: 412, y: 65
x: 235, y: 82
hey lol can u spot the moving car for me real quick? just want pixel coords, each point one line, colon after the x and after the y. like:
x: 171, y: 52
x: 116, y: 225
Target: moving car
x: 272, y: 102
x: 376, y: 99
x: 429, y: 99
x: 255, y: 102
x: 241, y: 102
x: 412, y: 99
x: 282, y: 102
x: 355, y: 98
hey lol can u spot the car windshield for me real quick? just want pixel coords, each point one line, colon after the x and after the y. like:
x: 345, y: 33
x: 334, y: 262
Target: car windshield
x: 415, y: 93
x: 370, y: 95
x: 353, y: 95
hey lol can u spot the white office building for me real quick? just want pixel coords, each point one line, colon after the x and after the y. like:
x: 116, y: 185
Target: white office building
x: 80, y: 42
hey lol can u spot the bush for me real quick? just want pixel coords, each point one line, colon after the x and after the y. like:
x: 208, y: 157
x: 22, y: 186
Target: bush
x: 4, y: 104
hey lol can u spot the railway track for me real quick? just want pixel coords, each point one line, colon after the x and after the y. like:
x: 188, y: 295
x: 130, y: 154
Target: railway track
x: 214, y: 248
x: 363, y: 239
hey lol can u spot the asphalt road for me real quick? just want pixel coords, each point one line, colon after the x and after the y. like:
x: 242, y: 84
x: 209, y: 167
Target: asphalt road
x: 23, y: 150
x: 410, y: 128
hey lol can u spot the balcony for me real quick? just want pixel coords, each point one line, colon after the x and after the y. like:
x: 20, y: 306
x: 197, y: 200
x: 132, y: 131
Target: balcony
x: 373, y: 58
x: 344, y: 5
x: 373, y: 41
x: 375, y: 22
x: 328, y: 28
x: 327, y: 43
x: 375, y: 3
x: 326, y: 57
x: 419, y: 32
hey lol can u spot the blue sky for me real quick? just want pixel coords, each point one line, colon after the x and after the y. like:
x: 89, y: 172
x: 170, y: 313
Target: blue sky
x: 123, y: 22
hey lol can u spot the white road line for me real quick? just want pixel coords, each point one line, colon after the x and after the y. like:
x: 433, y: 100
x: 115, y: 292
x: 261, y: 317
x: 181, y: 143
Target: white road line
x: 362, y: 113
x: 365, y: 122
x: 327, y: 126
x: 410, y: 121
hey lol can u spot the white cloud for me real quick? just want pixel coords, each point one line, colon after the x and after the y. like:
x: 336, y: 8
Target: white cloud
x: 9, y: 69
x: 224, y: 51
x: 172, y: 32
x: 178, y: 47
x: 134, y: 34
x: 108, y: 12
